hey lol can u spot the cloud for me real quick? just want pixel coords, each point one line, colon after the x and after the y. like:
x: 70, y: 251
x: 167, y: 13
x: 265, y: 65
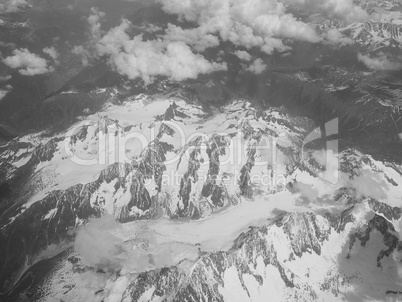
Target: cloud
x: 4, y: 92
x: 136, y: 58
x: 197, y: 38
x: 176, y: 51
x: 368, y: 184
x: 262, y: 23
x: 87, y: 51
x: 94, y: 22
x: 150, y: 28
x: 329, y: 160
x: 12, y: 6
x: 5, y: 78
x: 243, y: 55
x: 28, y: 63
x: 99, y: 247
x: 307, y: 192
x: 116, y: 289
x: 334, y: 36
x: 52, y: 52
x: 249, y: 23
x: 81, y: 51
x: 345, y: 10
x: 257, y: 67
x: 381, y: 61
x: 8, y: 44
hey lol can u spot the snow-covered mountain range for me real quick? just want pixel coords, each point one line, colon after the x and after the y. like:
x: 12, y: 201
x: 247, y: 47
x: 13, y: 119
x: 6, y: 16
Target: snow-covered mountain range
x: 225, y: 169
x: 148, y: 154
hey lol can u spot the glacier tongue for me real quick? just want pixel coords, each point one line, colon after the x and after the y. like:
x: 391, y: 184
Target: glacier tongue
x: 297, y: 257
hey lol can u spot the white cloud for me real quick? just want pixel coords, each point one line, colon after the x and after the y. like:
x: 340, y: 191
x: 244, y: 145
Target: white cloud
x: 257, y: 67
x: 94, y: 23
x: 85, y: 55
x: 248, y: 23
x: 272, y: 44
x: 12, y: 6
x: 263, y: 24
x: 334, y: 36
x: 8, y: 44
x: 28, y: 63
x: 307, y: 192
x: 170, y: 55
x: 136, y: 58
x: 87, y: 51
x: 98, y: 246
x: 341, y: 9
x: 52, y: 52
x: 198, y: 38
x: 5, y: 78
x: 381, y: 61
x: 367, y: 184
x: 243, y: 55
x: 150, y: 28
x: 3, y: 93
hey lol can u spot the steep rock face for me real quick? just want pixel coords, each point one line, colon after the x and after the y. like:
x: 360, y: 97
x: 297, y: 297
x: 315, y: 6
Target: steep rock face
x: 384, y: 210
x: 44, y: 223
x: 290, y: 249
x: 13, y: 156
